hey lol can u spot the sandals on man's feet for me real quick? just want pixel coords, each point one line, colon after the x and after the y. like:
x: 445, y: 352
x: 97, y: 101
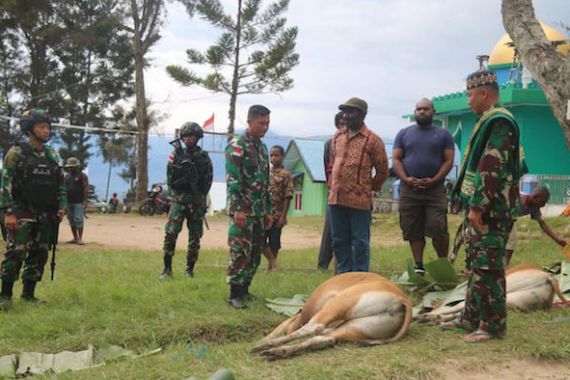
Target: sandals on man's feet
x: 478, y: 337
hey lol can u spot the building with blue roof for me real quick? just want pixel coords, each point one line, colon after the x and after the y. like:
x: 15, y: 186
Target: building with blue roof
x: 304, y: 159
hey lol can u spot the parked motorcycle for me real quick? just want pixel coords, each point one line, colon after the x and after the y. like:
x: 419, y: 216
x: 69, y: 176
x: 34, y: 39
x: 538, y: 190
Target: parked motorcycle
x: 158, y: 202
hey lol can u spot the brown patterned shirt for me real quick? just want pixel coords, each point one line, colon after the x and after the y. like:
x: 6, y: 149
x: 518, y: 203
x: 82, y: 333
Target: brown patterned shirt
x: 354, y: 157
x: 281, y: 189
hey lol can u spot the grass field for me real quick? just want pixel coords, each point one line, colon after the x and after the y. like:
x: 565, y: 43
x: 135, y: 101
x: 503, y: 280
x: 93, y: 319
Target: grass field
x: 105, y: 296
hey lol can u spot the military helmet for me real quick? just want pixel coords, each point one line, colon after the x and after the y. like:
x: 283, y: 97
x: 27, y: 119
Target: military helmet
x: 191, y: 129
x: 32, y: 117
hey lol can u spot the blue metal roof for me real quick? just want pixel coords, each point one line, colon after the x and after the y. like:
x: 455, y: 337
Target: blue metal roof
x: 311, y: 152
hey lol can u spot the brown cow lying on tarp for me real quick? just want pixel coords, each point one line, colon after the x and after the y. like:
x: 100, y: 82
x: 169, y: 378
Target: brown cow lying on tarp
x: 357, y: 306
x: 528, y: 288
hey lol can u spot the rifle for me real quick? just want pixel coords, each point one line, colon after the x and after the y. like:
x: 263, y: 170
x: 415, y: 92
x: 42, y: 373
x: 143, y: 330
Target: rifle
x: 54, y: 244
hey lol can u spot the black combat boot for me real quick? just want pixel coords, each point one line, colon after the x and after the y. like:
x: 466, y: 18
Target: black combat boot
x: 167, y: 272
x: 6, y: 294
x: 236, y: 296
x: 247, y: 296
x: 28, y: 291
x: 190, y: 269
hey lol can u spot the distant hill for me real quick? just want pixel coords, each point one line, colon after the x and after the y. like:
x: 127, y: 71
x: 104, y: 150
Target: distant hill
x: 158, y: 152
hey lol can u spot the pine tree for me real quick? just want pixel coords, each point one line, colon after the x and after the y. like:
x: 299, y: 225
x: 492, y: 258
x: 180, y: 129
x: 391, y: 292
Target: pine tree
x: 254, y: 54
x: 96, y: 68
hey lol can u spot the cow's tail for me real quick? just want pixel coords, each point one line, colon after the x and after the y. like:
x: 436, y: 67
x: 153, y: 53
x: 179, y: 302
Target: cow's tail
x: 556, y: 288
x: 400, y: 334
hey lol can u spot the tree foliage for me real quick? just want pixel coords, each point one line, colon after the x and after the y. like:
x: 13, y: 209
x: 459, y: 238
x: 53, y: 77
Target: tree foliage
x: 547, y: 66
x: 254, y: 54
x: 96, y: 69
x: 67, y: 56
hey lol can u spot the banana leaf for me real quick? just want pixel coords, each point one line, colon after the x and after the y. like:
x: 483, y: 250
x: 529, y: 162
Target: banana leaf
x: 443, y: 273
x: 287, y: 306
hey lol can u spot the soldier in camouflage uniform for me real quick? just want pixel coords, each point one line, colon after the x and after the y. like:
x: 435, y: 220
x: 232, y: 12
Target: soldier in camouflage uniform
x: 249, y: 203
x: 281, y: 183
x: 189, y: 175
x: 33, y: 197
x: 487, y: 186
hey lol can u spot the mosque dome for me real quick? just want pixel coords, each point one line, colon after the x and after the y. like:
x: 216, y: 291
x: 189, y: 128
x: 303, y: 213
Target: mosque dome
x: 503, y: 54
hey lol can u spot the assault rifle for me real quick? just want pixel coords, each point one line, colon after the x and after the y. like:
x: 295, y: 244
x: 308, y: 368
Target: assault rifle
x: 54, y: 244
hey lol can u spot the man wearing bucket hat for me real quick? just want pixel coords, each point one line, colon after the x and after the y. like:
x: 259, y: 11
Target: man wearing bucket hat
x: 487, y: 188
x: 77, y: 186
x: 356, y: 150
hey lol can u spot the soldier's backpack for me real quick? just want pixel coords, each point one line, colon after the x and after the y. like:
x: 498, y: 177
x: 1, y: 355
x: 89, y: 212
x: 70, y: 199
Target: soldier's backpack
x: 37, y: 180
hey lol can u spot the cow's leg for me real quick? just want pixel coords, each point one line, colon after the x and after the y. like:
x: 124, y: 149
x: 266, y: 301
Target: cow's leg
x: 556, y: 289
x: 314, y: 343
x: 442, y: 314
x: 310, y: 329
x: 285, y: 327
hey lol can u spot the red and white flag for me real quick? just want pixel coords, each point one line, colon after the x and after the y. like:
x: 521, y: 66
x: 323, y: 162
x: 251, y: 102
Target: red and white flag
x: 209, y: 123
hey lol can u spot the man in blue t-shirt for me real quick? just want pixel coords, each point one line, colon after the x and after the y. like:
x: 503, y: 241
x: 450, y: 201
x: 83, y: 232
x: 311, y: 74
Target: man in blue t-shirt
x: 531, y: 205
x: 422, y: 157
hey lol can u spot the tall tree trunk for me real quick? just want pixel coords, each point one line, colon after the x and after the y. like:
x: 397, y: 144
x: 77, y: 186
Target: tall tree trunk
x: 142, y: 124
x: 548, y: 67
x: 235, y: 78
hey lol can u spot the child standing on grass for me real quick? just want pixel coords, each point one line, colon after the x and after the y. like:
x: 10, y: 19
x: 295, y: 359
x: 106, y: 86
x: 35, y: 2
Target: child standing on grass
x: 281, y: 193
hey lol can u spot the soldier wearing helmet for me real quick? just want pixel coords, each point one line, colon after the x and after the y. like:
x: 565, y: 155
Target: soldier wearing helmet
x: 77, y: 185
x: 34, y: 200
x: 189, y: 176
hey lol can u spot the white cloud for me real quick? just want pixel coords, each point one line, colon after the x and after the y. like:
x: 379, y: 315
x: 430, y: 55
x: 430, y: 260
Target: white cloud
x: 389, y: 52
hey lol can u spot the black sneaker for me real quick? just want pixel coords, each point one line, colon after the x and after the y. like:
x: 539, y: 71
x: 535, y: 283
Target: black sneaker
x: 167, y: 273
x: 189, y: 274
x: 420, y: 272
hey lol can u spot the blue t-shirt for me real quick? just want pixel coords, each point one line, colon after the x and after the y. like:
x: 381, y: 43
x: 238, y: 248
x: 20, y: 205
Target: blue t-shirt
x: 423, y: 149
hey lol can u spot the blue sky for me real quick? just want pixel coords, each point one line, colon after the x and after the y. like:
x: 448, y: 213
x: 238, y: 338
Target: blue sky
x: 389, y: 52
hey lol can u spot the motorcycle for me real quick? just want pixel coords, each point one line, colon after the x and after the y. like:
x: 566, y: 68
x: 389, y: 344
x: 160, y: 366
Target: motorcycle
x: 156, y: 203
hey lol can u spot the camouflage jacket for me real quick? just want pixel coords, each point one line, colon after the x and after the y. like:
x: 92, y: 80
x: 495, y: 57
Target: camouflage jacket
x: 11, y: 161
x: 247, y: 175
x: 281, y: 189
x: 201, y: 162
x: 491, y: 174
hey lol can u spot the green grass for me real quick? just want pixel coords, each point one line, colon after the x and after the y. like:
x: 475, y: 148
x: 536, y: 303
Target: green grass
x: 106, y: 296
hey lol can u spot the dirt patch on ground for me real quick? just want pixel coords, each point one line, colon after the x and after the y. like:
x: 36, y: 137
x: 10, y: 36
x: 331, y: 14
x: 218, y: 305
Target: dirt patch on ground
x: 508, y: 370
x: 120, y: 231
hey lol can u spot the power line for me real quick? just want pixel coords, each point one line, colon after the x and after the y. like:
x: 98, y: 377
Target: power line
x: 80, y: 127
x: 152, y: 133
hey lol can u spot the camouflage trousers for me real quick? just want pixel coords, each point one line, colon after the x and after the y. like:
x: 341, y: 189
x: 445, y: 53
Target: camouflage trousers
x: 486, y: 286
x: 28, y: 246
x: 246, y: 245
x: 193, y: 214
